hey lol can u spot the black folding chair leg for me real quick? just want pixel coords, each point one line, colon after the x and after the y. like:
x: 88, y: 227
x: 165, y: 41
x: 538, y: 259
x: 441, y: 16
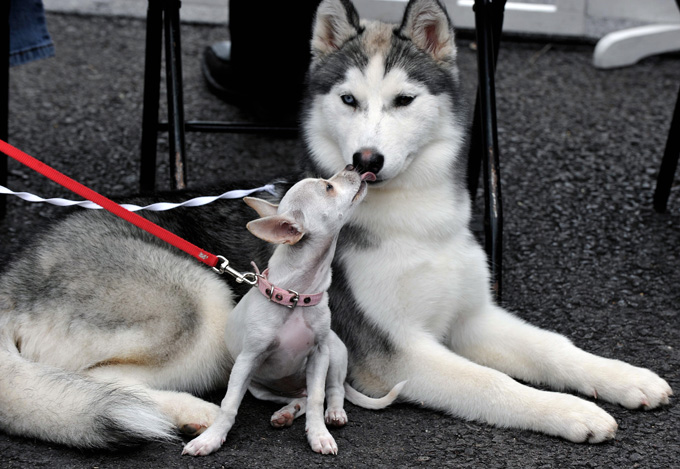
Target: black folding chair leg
x: 493, y: 217
x: 152, y: 80
x: 669, y: 163
x: 4, y: 98
x: 173, y: 62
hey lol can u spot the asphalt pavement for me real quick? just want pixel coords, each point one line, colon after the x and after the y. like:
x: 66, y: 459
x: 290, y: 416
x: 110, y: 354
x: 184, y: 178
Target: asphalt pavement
x: 584, y: 253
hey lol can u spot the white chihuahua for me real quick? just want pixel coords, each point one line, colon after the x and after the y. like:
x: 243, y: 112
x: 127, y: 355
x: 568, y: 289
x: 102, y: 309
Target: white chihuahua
x: 284, y: 347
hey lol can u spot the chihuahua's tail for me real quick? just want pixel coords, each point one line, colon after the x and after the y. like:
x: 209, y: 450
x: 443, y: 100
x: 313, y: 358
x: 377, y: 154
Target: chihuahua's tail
x: 361, y: 400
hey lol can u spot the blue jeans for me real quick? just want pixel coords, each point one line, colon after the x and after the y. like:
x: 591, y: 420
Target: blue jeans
x: 28, y: 36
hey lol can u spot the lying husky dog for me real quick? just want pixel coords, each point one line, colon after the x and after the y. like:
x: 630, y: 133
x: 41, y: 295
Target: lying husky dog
x: 282, y: 340
x: 98, y: 341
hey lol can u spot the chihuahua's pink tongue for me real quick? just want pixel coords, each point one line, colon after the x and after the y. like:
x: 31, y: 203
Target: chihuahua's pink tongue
x: 368, y: 177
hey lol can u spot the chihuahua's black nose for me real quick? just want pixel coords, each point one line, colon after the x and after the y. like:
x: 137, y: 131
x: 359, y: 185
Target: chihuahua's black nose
x: 368, y: 160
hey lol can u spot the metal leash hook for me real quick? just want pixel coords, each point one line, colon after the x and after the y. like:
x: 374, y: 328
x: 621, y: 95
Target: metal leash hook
x: 249, y: 277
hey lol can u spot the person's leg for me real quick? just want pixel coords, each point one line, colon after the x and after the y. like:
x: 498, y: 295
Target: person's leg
x: 29, y: 39
x: 263, y: 66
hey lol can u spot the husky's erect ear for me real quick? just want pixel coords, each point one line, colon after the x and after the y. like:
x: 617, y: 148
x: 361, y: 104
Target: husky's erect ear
x: 427, y: 24
x: 336, y: 21
x: 262, y: 207
x: 277, y: 229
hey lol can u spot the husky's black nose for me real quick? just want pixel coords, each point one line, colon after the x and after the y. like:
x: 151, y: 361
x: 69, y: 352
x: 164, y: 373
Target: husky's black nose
x: 368, y: 160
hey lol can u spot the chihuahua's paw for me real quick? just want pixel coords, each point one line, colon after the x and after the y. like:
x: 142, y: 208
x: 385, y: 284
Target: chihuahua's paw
x: 282, y: 418
x: 285, y: 416
x: 336, y: 417
x: 206, y: 443
x: 321, y: 441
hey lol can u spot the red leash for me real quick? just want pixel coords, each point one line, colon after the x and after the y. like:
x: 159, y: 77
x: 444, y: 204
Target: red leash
x: 109, y: 205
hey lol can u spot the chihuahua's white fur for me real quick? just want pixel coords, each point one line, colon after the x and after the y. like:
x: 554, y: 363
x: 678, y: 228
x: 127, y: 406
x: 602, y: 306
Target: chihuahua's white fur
x: 275, y: 346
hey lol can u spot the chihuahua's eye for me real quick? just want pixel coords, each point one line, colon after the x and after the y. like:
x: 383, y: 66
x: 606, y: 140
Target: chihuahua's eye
x: 329, y: 187
x: 349, y: 100
x: 403, y: 100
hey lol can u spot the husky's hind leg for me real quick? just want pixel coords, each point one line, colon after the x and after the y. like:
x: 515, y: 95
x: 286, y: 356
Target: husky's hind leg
x: 189, y: 414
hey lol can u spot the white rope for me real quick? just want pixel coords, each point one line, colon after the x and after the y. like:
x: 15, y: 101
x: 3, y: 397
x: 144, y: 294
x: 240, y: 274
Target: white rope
x: 157, y: 207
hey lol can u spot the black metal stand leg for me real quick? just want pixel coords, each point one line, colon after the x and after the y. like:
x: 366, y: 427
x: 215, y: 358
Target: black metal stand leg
x: 493, y: 219
x: 475, y: 151
x: 152, y: 80
x: 4, y: 98
x: 173, y: 63
x: 669, y: 163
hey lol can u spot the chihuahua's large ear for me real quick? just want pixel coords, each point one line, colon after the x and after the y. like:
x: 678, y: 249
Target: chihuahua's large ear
x: 336, y: 21
x: 427, y: 24
x: 277, y: 229
x: 262, y: 207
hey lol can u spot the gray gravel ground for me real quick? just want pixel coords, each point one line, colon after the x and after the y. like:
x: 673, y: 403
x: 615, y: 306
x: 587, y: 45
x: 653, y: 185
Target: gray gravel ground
x: 585, y: 254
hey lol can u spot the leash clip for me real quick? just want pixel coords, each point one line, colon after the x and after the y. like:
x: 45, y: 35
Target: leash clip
x: 249, y: 277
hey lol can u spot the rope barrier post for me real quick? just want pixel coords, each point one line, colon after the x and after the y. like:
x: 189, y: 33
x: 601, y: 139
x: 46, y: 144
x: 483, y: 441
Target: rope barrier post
x: 152, y: 80
x: 4, y: 97
x: 173, y: 67
x: 493, y: 214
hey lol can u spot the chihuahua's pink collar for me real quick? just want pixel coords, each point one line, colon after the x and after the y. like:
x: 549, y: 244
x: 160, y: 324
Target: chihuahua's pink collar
x: 289, y: 298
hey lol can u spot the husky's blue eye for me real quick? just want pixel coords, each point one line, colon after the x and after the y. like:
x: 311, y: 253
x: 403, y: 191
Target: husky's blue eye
x: 329, y: 187
x: 349, y: 100
x: 403, y: 100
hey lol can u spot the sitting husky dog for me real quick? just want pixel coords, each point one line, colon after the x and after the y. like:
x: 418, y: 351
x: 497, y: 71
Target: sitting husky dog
x: 282, y: 339
x: 387, y: 99
x: 98, y: 343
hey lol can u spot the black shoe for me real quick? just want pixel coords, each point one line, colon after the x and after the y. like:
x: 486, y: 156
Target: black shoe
x: 265, y: 106
x: 219, y: 77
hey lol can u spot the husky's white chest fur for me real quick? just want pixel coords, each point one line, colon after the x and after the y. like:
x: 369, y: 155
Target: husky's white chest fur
x: 417, y: 258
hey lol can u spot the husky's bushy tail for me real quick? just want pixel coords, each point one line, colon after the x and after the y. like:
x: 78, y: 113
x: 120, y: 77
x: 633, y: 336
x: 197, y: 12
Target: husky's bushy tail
x: 45, y: 402
x: 361, y: 400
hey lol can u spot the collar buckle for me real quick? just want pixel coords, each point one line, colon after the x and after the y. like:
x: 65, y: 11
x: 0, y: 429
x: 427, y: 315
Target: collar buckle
x: 294, y: 300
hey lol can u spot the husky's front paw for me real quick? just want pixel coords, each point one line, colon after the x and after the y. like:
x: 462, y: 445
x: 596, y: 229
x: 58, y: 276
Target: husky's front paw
x: 632, y: 387
x: 579, y: 421
x: 206, y: 443
x: 336, y: 417
x: 322, y: 442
